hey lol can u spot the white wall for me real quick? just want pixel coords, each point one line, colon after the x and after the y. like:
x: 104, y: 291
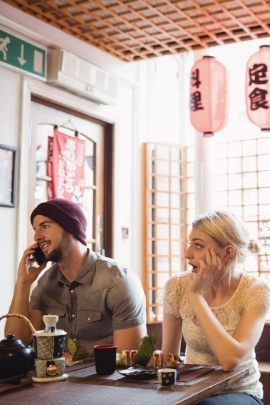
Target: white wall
x: 16, y: 89
x: 9, y: 111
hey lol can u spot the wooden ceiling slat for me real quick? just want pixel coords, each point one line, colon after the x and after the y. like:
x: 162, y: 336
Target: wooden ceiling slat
x: 140, y: 29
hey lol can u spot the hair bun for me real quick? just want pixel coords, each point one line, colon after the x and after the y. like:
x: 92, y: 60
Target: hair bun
x: 254, y: 246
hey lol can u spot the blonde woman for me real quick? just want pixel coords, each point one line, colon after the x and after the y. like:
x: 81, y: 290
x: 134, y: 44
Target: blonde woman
x: 219, y: 308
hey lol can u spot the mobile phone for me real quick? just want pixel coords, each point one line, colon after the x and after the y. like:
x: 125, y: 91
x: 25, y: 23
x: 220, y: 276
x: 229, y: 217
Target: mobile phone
x: 39, y: 256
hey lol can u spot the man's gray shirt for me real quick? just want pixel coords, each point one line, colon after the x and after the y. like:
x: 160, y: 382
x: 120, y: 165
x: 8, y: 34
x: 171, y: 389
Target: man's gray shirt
x: 103, y: 297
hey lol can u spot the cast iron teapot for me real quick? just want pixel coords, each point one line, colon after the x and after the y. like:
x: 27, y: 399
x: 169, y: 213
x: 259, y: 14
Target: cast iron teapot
x: 16, y: 359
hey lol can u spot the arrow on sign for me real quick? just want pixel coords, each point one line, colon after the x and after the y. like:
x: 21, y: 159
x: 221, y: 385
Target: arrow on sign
x: 21, y: 58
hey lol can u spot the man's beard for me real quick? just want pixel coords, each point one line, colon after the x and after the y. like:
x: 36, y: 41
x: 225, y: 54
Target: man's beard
x: 57, y: 254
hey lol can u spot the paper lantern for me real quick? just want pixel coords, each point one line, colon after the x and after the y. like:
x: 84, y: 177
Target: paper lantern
x: 258, y: 88
x: 208, y: 96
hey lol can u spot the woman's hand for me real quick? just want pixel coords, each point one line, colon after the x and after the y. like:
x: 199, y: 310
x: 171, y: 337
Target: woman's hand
x: 208, y: 272
x: 29, y: 270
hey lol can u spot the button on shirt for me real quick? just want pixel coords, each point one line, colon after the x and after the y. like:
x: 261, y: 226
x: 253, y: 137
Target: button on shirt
x: 105, y: 296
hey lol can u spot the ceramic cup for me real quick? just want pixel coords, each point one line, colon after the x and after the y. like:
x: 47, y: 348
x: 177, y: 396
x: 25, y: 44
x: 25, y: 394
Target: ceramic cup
x: 167, y: 376
x: 105, y: 358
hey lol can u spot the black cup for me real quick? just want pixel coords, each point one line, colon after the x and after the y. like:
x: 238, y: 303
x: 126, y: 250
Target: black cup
x: 105, y: 358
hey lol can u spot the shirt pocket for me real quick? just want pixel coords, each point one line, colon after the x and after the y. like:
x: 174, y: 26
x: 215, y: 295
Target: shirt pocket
x: 88, y: 323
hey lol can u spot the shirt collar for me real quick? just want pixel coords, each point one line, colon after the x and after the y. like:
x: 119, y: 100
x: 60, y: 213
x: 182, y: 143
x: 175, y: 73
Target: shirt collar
x: 86, y: 273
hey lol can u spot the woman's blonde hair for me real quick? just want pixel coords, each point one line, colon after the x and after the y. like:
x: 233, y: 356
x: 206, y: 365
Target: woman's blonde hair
x: 228, y: 229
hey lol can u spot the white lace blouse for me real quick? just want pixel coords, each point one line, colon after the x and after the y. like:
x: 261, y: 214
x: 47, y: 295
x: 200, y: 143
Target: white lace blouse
x: 250, y: 291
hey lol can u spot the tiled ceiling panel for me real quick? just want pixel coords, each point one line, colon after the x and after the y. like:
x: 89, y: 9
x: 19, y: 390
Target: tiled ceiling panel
x: 133, y: 30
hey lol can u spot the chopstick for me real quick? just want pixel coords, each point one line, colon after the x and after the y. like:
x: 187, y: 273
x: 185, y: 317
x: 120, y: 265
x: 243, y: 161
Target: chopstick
x: 190, y: 369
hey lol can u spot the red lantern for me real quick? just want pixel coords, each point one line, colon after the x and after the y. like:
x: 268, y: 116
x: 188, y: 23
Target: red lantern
x: 208, y: 96
x: 258, y: 88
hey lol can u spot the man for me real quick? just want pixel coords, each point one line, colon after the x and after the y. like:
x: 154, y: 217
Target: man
x: 96, y: 299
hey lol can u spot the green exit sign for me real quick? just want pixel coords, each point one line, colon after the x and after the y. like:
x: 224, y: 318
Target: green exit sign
x: 22, y: 55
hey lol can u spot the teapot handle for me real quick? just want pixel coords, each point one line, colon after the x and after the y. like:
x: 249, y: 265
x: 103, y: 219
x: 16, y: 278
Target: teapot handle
x: 33, y: 330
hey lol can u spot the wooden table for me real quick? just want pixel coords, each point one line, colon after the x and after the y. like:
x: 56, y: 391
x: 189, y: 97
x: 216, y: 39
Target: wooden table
x: 85, y: 387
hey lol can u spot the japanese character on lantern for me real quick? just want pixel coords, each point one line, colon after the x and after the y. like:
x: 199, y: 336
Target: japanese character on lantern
x: 258, y: 88
x: 208, y: 96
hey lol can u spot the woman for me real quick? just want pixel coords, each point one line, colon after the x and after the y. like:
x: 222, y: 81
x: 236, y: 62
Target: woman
x: 219, y: 307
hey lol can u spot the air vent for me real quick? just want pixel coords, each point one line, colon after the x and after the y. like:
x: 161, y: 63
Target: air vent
x: 72, y: 73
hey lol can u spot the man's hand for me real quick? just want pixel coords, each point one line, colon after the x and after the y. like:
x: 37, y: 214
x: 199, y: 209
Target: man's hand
x: 29, y: 270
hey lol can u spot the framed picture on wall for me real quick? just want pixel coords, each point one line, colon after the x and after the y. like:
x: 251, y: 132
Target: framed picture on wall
x: 7, y: 175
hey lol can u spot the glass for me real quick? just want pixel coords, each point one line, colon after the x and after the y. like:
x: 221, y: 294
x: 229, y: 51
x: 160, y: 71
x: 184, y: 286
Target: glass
x: 162, y: 167
x: 234, y: 165
x: 263, y: 162
x: 249, y: 180
x: 264, y: 210
x: 190, y: 154
x: 249, y: 147
x: 162, y: 279
x: 176, y: 216
x: 235, y: 198
x: 162, y: 231
x: 234, y: 181
x: 176, y: 184
x: 237, y: 211
x: 162, y: 215
x: 151, y: 198
x: 250, y: 211
x: 190, y: 185
x: 234, y: 149
x: 176, y: 248
x: 162, y: 199
x: 190, y: 216
x: 163, y: 263
x: 89, y: 212
x: 89, y: 163
x: 190, y: 169
x: 162, y: 183
x: 176, y: 169
x: 249, y: 164
x: 250, y: 197
x: 263, y: 146
x: 176, y: 232
x: 162, y: 152
x: 191, y: 201
x: 176, y: 201
x: 175, y: 153
x: 176, y: 264
x: 163, y: 247
x: 264, y: 179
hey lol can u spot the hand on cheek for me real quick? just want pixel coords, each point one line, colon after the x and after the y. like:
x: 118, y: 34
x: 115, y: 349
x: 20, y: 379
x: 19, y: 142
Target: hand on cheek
x: 208, y: 270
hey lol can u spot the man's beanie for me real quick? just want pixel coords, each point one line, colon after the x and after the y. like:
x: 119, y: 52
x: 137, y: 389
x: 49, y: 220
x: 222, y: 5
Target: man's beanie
x: 66, y: 214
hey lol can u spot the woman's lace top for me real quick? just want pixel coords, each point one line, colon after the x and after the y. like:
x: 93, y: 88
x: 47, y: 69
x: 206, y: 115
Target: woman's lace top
x: 250, y: 291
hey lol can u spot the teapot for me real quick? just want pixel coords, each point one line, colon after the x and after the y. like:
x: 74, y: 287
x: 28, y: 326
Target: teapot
x: 16, y: 359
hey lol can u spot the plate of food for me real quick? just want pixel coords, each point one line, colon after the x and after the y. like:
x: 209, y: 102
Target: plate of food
x: 139, y: 372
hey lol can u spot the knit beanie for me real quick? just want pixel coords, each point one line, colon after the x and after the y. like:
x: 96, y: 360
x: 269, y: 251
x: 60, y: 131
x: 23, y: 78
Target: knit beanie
x: 66, y: 214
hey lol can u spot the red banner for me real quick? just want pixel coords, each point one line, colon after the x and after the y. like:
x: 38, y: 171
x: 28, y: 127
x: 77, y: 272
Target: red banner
x: 65, y: 165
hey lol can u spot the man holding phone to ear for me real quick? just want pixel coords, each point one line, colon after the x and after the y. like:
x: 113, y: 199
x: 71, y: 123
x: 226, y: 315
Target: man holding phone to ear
x: 97, y: 300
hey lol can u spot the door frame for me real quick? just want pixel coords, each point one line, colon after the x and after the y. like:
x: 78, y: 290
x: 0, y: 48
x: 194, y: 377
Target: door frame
x: 31, y: 91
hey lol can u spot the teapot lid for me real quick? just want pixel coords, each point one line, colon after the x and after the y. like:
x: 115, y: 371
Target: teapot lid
x: 11, y: 341
x: 50, y: 327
